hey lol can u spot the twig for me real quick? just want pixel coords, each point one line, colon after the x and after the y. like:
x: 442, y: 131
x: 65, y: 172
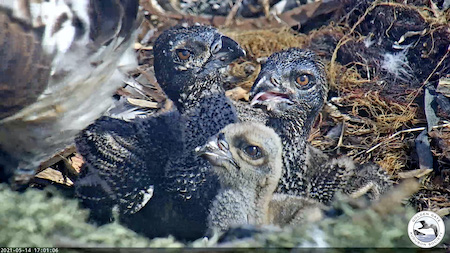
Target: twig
x: 292, y: 17
x: 404, y: 131
x: 346, y: 38
x: 437, y: 66
x: 233, y: 12
x: 429, y: 76
x: 266, y: 6
x: 341, y: 136
x: 56, y: 158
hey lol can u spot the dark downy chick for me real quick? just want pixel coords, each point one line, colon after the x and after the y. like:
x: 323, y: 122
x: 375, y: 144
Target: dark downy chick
x: 189, y: 65
x: 291, y: 88
x: 58, y: 72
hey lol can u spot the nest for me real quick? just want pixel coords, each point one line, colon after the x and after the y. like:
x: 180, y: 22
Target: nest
x: 379, y: 56
x: 376, y: 75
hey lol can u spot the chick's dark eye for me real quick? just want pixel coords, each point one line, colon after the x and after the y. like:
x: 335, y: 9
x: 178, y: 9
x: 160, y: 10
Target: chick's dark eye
x: 253, y: 151
x: 183, y: 54
x: 302, y: 80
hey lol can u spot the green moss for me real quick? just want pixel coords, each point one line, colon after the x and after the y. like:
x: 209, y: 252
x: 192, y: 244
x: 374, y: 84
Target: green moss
x: 366, y: 228
x: 354, y: 228
x: 45, y: 218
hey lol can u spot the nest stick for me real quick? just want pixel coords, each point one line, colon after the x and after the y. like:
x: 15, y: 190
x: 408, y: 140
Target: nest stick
x: 404, y: 131
x: 233, y: 12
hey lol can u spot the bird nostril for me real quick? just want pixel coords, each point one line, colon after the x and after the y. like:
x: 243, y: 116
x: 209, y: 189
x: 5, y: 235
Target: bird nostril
x: 222, y: 143
x: 275, y: 81
x: 217, y: 46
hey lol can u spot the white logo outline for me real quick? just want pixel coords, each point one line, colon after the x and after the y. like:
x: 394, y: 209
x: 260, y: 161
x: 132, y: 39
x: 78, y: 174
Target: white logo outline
x: 431, y: 232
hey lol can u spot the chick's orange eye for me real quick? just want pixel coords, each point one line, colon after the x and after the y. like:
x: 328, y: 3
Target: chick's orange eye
x: 302, y: 80
x: 183, y: 54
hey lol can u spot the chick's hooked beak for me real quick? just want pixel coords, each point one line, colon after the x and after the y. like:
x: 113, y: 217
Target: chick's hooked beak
x: 266, y: 92
x: 224, y: 51
x: 216, y: 151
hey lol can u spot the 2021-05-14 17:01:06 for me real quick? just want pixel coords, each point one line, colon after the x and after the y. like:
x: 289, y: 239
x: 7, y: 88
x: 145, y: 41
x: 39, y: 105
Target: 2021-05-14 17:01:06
x: 29, y: 250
